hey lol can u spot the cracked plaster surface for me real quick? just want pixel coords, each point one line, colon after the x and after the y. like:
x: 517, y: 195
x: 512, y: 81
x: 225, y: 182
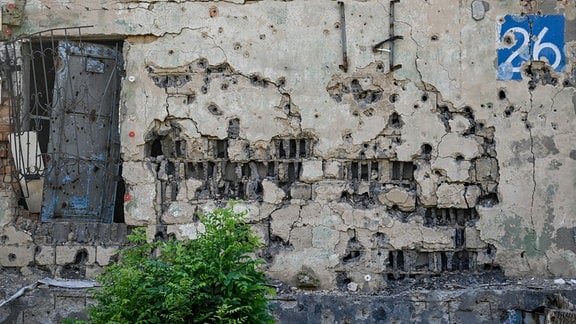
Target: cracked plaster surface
x: 445, y: 96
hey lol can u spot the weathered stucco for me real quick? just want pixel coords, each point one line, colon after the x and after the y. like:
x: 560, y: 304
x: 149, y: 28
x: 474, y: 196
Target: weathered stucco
x: 351, y: 172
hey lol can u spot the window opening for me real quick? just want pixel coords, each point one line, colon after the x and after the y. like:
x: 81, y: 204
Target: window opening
x: 64, y: 94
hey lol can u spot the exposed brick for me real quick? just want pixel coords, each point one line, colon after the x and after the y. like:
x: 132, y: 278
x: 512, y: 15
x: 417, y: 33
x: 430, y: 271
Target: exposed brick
x: 86, y: 233
x: 45, y: 255
x: 60, y: 232
x: 301, y: 191
x: 103, y: 232
x: 105, y: 254
x: 93, y: 271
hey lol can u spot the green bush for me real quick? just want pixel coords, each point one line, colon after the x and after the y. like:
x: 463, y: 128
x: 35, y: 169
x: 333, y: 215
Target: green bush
x: 212, y: 279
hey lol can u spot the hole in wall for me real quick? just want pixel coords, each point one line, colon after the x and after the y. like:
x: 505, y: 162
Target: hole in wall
x: 342, y: 281
x: 234, y: 128
x: 81, y: 256
x: 214, y: 110
x: 508, y: 111
x: 213, y: 12
x: 395, y: 121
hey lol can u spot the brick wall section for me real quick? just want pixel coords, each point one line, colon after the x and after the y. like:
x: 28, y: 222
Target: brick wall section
x: 63, y: 250
x: 5, y: 157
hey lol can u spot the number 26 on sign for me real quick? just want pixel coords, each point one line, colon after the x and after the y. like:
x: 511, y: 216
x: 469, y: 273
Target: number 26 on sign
x: 529, y: 38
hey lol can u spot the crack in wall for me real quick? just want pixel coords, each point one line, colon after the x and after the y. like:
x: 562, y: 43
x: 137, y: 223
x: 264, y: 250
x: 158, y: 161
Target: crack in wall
x: 529, y: 128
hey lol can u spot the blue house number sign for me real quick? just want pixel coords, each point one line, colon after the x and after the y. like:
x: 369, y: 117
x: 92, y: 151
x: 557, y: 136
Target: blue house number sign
x: 530, y: 38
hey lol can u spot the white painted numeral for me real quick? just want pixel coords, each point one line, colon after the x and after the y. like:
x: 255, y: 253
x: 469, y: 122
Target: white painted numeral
x: 520, y: 50
x: 539, y: 46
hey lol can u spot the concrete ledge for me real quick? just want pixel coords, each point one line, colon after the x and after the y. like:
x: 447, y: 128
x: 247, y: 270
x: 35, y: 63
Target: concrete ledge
x: 524, y: 302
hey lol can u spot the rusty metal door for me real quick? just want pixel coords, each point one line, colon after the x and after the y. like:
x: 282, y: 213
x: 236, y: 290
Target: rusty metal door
x: 83, y: 148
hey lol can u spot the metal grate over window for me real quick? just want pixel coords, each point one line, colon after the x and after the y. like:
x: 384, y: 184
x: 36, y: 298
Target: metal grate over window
x: 63, y: 95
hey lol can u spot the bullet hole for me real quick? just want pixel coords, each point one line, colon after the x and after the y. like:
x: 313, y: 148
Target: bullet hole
x: 395, y: 121
x: 220, y: 68
x: 522, y: 254
x: 213, y: 12
x: 11, y: 257
x: 566, y: 83
x: 81, y: 257
x: 220, y: 30
x: 170, y: 52
x: 354, y: 251
x: 379, y: 67
x: 434, y: 38
x: 202, y: 63
x: 204, y: 89
x: 489, y: 105
x: 234, y: 128
x: 369, y: 112
x: 149, y: 69
x: 257, y: 80
x: 364, y: 97
x: 262, y: 36
x: 237, y: 46
x: 508, y: 111
x: 426, y: 149
x: 459, y: 158
x: 553, y: 81
x: 507, y: 40
x: 224, y: 86
x: 281, y: 82
x: 424, y: 97
x: 488, y: 200
x: 206, y: 79
x: 355, y: 86
x: 246, y: 54
x: 337, y: 25
x: 347, y: 138
x: 170, y: 81
x: 190, y: 98
x: 393, y: 98
x: 416, y: 106
x: 316, y: 115
x: 342, y: 281
x: 214, y: 110
x: 501, y: 95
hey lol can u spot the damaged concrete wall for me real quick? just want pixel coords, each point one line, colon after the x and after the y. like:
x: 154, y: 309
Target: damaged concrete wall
x: 360, y: 162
